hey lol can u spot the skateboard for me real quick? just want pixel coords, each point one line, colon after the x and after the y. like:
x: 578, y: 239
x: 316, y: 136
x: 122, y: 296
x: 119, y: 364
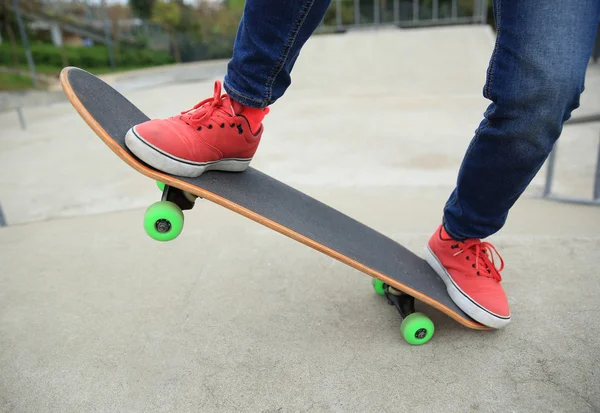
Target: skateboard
x: 397, y: 274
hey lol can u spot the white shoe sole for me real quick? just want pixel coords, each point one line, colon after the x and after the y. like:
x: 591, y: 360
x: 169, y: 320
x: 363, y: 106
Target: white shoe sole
x: 177, y: 166
x: 462, y: 300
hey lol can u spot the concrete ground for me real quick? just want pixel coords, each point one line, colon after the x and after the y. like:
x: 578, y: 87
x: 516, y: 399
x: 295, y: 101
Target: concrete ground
x: 233, y: 317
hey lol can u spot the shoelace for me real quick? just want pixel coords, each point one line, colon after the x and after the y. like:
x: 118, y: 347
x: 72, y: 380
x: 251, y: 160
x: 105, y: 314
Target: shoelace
x: 215, y: 109
x: 483, y: 251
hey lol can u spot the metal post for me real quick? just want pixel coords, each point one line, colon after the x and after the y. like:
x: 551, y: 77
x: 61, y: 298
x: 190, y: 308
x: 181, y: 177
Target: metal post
x: 597, y: 178
x: 415, y: 10
x: 454, y: 9
x: 21, y: 118
x: 146, y: 31
x: 25, y: 42
x: 109, y: 45
x: 484, y: 9
x: 2, y: 219
x: 435, y: 10
x: 397, y: 11
x: 338, y: 14
x: 549, y: 173
x: 476, y: 6
x: 551, y: 161
x: 357, y: 12
x: 376, y: 12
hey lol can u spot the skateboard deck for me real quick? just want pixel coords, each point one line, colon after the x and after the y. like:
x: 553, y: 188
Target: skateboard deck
x: 275, y: 205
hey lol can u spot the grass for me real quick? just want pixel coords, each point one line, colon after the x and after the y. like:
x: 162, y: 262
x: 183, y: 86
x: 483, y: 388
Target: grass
x: 55, y: 70
x: 13, y: 81
x: 16, y: 82
x: 46, y: 70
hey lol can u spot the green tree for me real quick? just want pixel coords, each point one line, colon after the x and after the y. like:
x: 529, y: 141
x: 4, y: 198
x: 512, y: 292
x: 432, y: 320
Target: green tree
x: 8, y: 26
x: 235, y: 4
x: 168, y: 15
x: 189, y: 23
x: 142, y: 8
x: 347, y: 11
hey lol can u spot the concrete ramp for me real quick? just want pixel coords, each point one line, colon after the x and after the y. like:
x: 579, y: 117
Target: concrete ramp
x: 399, y: 105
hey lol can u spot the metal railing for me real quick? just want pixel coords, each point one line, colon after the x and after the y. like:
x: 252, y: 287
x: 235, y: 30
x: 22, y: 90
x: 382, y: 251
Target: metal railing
x: 547, y: 193
x: 351, y: 14
x: 2, y: 219
x: 5, y: 106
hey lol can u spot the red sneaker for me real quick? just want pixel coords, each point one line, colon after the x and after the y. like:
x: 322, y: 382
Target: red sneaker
x: 216, y: 134
x: 471, y: 277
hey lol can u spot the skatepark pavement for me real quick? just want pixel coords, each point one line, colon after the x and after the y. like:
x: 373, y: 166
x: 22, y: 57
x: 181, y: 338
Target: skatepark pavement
x: 234, y: 317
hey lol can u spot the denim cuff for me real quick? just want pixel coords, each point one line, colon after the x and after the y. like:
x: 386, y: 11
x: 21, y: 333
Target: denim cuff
x: 450, y: 232
x: 243, y: 99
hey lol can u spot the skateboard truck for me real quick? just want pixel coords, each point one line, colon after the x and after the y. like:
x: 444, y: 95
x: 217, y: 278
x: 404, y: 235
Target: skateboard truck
x: 182, y: 199
x: 404, y: 303
x: 416, y: 328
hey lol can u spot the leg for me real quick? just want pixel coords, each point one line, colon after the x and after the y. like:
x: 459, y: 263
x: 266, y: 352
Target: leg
x: 223, y: 132
x: 269, y: 39
x: 534, y: 81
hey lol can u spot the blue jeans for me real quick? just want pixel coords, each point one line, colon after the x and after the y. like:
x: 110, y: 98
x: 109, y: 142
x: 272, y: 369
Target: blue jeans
x: 534, y: 80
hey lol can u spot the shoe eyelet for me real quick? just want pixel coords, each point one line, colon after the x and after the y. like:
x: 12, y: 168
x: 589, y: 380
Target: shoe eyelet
x: 467, y: 257
x: 232, y: 125
x: 454, y: 246
x: 199, y: 128
x: 222, y: 125
x: 473, y: 265
x: 478, y: 273
x: 210, y: 126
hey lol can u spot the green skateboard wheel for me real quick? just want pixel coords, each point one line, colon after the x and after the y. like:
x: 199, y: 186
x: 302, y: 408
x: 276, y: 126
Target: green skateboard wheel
x: 417, y: 328
x: 163, y: 221
x: 160, y: 185
x: 378, y: 286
